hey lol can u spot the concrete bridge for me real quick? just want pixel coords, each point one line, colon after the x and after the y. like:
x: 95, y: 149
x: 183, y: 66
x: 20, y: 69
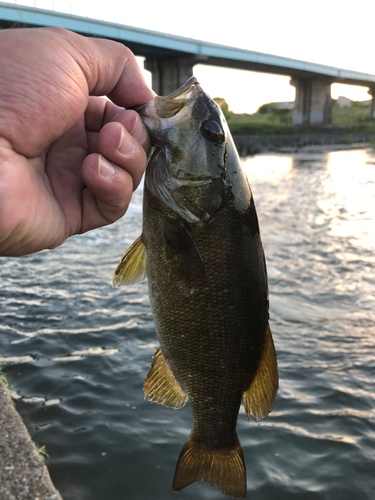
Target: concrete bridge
x: 171, y: 59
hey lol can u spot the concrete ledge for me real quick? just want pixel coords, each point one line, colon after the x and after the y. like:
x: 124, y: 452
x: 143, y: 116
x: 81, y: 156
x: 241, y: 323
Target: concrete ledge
x: 23, y: 474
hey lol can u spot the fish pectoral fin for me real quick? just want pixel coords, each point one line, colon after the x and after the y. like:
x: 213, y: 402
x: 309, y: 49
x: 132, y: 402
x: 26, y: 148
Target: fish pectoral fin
x: 183, y: 253
x: 161, y: 386
x: 260, y: 396
x: 222, y: 468
x: 132, y: 268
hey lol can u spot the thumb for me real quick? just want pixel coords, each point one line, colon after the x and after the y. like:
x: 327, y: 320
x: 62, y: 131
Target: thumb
x: 110, y: 69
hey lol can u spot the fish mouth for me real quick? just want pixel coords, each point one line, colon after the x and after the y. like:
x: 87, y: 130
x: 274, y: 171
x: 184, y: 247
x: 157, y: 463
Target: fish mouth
x: 191, y: 88
x: 170, y: 105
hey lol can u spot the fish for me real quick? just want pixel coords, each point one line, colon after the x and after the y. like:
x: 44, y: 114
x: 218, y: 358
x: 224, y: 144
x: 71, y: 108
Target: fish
x: 202, y: 254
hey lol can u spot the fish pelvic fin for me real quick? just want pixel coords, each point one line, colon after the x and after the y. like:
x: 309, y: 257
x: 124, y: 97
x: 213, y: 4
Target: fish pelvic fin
x: 224, y: 468
x: 132, y: 268
x: 161, y: 386
x: 260, y: 396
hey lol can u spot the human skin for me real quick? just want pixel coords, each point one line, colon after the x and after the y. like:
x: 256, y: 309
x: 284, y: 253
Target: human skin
x: 69, y: 159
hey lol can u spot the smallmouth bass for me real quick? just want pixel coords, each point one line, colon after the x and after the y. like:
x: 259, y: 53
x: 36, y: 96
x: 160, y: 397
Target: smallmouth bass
x: 202, y: 253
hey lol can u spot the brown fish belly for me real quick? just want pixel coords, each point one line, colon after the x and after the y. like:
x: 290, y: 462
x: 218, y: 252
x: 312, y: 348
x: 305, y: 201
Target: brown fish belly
x: 212, y: 324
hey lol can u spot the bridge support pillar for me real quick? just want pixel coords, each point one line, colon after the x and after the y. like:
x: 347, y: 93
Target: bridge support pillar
x: 169, y: 74
x: 313, y: 104
x: 371, y: 91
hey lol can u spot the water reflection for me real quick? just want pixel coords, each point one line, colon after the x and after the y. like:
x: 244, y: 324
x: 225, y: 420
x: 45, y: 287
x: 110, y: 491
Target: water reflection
x: 349, y: 199
x: 304, y: 432
x: 76, y: 351
x: 263, y: 167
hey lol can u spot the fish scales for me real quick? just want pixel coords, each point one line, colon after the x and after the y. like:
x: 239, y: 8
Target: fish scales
x: 209, y: 316
x: 202, y: 253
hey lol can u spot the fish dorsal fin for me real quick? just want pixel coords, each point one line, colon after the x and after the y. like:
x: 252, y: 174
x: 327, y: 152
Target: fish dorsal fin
x: 260, y: 396
x: 132, y: 268
x: 183, y: 253
x: 161, y: 386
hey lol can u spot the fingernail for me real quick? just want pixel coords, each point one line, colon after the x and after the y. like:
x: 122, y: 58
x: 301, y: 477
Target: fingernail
x: 126, y: 146
x: 106, y: 169
x: 139, y: 131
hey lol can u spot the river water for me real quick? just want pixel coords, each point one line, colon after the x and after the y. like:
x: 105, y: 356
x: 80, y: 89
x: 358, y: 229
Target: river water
x: 76, y: 351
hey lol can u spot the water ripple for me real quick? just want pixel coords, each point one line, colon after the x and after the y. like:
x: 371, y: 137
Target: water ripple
x: 76, y: 351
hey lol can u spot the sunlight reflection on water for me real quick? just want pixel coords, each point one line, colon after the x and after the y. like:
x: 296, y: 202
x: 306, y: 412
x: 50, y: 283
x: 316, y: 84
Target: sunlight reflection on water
x: 350, y: 198
x: 265, y: 168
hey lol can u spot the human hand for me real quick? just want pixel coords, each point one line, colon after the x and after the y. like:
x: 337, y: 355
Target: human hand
x: 69, y: 160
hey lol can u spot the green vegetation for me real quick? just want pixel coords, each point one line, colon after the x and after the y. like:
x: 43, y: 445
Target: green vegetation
x: 356, y: 118
x: 2, y: 374
x: 270, y: 119
x: 42, y: 452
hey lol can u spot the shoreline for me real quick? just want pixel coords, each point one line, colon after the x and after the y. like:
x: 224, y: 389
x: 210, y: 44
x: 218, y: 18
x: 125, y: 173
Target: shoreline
x: 23, y: 473
x: 249, y: 145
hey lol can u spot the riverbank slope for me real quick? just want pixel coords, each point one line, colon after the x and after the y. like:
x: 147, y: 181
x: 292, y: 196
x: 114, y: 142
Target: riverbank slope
x: 23, y: 474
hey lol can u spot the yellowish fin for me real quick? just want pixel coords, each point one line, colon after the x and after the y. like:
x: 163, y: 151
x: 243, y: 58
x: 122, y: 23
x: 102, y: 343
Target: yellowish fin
x: 132, y: 268
x: 260, y: 396
x: 161, y: 386
x: 224, y: 469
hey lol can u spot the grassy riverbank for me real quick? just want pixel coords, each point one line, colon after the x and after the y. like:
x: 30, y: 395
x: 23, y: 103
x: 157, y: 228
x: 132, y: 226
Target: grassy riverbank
x: 269, y: 119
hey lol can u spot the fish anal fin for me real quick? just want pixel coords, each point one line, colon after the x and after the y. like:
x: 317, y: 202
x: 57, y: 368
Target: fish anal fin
x: 132, y: 268
x: 161, y: 386
x: 223, y: 468
x: 260, y: 396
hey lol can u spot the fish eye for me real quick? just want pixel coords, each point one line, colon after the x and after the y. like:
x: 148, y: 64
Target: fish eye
x: 212, y: 131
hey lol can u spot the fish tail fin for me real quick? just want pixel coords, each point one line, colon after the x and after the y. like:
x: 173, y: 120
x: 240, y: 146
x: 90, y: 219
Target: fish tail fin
x: 224, y: 468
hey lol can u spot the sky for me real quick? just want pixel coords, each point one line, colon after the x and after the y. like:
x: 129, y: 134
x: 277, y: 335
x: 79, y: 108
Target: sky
x: 329, y: 32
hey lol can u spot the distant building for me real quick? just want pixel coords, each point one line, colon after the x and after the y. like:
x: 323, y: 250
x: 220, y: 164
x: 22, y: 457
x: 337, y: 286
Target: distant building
x: 271, y: 107
x: 345, y: 102
x: 284, y: 105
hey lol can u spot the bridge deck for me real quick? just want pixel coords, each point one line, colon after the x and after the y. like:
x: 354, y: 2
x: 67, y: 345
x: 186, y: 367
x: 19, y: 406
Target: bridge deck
x: 154, y: 44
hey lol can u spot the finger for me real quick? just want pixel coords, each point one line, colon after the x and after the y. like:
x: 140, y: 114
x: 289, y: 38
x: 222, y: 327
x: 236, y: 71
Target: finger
x: 111, y: 69
x: 100, y: 111
x: 119, y: 146
x: 131, y: 121
x: 59, y: 70
x: 108, y: 193
x: 135, y: 126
